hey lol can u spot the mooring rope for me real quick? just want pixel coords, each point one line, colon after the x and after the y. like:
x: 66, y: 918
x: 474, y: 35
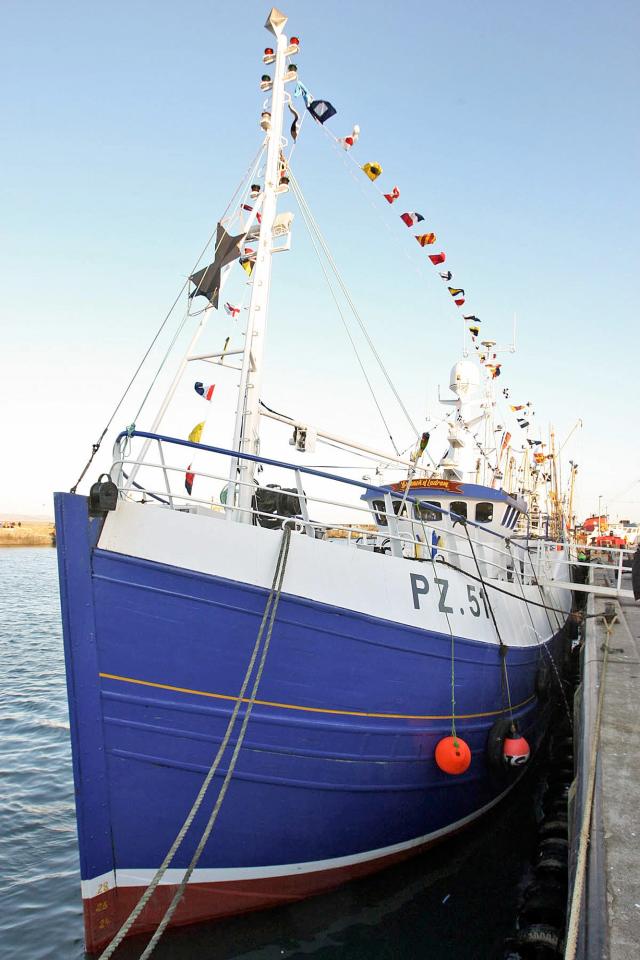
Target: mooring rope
x: 493, y: 585
x: 539, y: 639
x: 269, y: 614
x: 502, y: 646
x: 541, y: 592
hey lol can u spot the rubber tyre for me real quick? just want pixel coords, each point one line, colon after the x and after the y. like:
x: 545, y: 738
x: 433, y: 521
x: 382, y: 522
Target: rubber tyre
x: 542, y: 937
x: 554, y: 828
x: 547, y: 908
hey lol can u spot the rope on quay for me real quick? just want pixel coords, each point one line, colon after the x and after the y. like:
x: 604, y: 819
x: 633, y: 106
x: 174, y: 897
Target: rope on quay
x: 269, y: 615
x: 571, y: 943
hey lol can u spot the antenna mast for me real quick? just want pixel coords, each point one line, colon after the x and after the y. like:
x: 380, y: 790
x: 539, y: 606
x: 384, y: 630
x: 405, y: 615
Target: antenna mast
x: 246, y: 432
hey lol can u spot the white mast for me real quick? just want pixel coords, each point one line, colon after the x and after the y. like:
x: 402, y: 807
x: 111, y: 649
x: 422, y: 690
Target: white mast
x: 245, y: 436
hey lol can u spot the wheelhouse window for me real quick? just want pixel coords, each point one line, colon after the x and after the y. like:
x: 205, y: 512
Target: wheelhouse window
x: 460, y: 509
x: 379, y: 510
x: 484, y: 512
x: 400, y: 508
x: 429, y: 511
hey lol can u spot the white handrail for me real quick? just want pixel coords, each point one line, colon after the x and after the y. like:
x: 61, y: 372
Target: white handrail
x: 498, y: 567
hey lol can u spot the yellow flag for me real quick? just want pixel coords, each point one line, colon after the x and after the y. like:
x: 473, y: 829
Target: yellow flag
x: 372, y: 170
x: 196, y: 433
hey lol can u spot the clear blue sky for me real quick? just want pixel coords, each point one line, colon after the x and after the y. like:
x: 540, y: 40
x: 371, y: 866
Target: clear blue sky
x: 513, y: 126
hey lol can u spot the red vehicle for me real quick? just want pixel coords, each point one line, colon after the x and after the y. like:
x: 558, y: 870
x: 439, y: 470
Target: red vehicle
x: 610, y: 541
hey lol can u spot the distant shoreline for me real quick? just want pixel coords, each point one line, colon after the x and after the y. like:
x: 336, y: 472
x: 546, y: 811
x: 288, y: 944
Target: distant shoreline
x: 16, y: 533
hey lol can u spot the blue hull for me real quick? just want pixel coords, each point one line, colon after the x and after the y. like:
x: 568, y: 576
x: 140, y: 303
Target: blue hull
x: 338, y: 758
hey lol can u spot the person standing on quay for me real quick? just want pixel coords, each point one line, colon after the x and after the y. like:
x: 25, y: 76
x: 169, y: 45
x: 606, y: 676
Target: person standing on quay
x: 635, y: 574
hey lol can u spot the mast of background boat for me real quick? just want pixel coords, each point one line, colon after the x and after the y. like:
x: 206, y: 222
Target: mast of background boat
x: 246, y: 431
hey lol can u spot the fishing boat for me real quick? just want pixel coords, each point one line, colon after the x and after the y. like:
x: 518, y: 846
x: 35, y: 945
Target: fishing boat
x: 280, y: 677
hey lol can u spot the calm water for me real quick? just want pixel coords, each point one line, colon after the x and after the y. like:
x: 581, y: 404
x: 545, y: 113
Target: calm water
x: 456, y: 903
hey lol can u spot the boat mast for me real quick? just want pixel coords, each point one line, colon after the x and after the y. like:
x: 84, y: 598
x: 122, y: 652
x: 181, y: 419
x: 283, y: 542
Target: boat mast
x: 246, y: 432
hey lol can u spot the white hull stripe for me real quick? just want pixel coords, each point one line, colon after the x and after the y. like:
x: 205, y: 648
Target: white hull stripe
x: 325, y: 572
x: 132, y: 877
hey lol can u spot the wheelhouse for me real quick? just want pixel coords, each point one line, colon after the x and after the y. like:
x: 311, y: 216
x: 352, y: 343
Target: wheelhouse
x: 443, y: 504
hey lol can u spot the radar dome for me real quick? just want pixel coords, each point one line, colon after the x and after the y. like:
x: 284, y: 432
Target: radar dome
x: 464, y: 379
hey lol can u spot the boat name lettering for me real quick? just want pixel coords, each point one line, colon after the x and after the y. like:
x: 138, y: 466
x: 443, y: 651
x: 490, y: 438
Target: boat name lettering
x: 428, y: 483
x: 420, y: 587
x: 444, y: 588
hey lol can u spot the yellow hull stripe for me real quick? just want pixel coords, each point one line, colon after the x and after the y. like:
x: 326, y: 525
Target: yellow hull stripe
x: 294, y: 706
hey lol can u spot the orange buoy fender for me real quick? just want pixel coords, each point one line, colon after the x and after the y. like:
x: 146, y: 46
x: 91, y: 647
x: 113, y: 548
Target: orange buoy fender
x: 506, y: 747
x: 453, y: 755
x: 516, y: 750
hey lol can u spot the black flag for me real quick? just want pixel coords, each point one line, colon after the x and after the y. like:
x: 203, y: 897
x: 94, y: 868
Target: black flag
x: 322, y: 110
x: 207, y: 280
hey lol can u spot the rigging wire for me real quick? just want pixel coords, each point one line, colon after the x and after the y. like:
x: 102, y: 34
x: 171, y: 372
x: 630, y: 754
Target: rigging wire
x: 352, y: 305
x: 96, y: 446
x: 354, y: 169
x: 246, y: 177
x: 388, y: 465
x: 309, y: 225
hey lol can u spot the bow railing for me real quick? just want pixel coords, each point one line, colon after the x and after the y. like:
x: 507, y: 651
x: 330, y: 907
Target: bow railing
x: 398, y: 530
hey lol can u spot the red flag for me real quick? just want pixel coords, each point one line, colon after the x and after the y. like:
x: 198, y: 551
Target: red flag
x: 437, y: 258
x: 188, y: 480
x: 390, y: 197
x: 458, y: 303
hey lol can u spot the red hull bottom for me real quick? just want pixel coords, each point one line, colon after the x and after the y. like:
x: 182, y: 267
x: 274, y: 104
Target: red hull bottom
x: 105, y: 913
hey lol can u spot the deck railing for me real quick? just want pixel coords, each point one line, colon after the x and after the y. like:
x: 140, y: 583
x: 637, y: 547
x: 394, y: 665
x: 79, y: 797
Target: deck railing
x: 474, y: 547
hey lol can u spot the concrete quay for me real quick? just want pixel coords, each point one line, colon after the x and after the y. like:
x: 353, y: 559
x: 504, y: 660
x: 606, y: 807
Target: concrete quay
x: 609, y: 909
